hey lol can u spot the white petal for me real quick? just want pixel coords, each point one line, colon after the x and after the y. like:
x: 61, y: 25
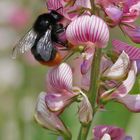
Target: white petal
x: 127, y: 84
x: 106, y: 137
x: 119, y: 69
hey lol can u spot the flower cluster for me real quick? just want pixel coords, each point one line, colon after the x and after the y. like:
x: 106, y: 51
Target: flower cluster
x: 94, y: 77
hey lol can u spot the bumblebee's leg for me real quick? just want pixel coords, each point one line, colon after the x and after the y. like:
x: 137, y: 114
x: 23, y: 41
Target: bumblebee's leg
x: 59, y: 28
x: 65, y: 44
x: 56, y: 31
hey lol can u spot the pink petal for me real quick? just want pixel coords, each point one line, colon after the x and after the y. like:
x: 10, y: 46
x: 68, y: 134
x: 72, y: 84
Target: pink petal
x: 58, y: 101
x: 129, y: 17
x: 83, y: 3
x: 135, y: 8
x: 132, y: 102
x: 79, y: 80
x: 88, y: 56
x: 127, y: 84
x: 54, y: 5
x: 138, y: 65
x: 119, y: 69
x: 76, y: 70
x: 114, y: 132
x: 133, y: 33
x: 133, y: 52
x: 114, y: 13
x: 77, y: 3
x: 60, y: 78
x: 91, y: 31
x: 65, y: 10
x: 46, y: 118
x: 85, y: 81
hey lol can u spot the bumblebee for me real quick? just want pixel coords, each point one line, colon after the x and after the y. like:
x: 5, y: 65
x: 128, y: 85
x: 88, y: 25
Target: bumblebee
x: 42, y: 38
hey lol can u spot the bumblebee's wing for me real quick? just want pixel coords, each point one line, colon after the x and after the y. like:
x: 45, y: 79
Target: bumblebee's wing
x: 25, y: 44
x: 45, y: 46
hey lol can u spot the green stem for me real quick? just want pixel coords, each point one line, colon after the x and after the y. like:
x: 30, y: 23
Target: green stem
x: 93, y: 7
x: 93, y: 91
x: 83, y: 132
x: 67, y: 136
x: 95, y: 77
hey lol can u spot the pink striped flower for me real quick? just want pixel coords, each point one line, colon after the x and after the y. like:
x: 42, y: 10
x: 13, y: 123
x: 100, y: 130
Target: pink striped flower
x: 105, y: 132
x: 67, y: 7
x: 88, y: 30
x: 60, y: 93
x: 60, y: 90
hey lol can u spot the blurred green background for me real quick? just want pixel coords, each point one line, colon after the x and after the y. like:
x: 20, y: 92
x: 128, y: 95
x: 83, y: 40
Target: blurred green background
x: 21, y: 81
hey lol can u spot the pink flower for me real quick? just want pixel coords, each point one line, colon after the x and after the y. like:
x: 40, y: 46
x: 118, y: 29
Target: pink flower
x: 125, y: 86
x: 117, y: 80
x: 60, y: 90
x: 120, y: 92
x: 48, y: 119
x: 68, y: 8
x: 88, y: 30
x: 120, y: 11
x: 123, y: 13
x: 60, y: 93
x: 104, y: 132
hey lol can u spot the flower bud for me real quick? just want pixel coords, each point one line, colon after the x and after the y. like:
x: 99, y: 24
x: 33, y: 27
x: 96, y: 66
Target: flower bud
x: 85, y: 111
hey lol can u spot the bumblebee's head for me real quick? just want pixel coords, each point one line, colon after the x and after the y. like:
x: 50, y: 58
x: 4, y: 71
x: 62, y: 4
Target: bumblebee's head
x: 42, y: 23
